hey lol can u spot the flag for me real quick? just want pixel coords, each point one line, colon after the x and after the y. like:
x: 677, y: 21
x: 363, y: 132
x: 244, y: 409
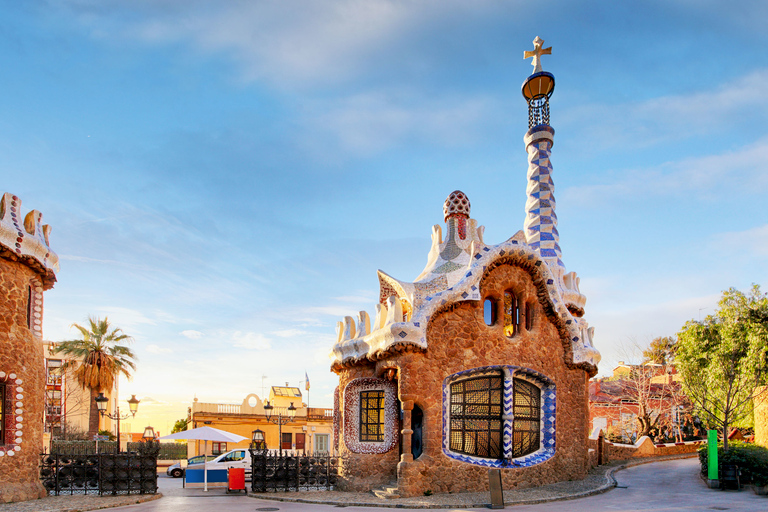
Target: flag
x: 306, y: 380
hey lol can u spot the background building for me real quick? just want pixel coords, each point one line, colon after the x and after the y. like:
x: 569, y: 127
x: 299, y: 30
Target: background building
x: 310, y: 432
x: 68, y: 404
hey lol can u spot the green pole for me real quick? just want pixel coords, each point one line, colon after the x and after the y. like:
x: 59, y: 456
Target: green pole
x: 712, y: 454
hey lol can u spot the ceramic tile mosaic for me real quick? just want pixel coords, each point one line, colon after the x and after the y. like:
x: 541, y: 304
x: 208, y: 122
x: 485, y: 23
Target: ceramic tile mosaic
x: 27, y: 238
x: 14, y: 415
x: 548, y: 415
x: 351, y: 415
x: 336, y: 419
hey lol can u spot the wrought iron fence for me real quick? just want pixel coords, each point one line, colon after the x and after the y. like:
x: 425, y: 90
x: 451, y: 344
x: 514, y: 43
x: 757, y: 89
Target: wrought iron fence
x: 103, y: 473
x: 272, y: 472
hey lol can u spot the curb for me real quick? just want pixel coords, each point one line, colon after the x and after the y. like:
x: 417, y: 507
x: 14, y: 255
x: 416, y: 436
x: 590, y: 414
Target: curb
x: 609, y: 483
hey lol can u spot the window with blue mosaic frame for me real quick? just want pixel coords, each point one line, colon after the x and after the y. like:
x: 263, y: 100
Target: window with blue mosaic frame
x: 499, y: 416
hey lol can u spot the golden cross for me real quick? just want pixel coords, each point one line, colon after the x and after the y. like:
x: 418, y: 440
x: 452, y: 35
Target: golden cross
x: 537, y: 53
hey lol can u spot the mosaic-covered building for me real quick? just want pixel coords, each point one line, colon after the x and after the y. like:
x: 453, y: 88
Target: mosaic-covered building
x: 27, y: 268
x: 481, y: 362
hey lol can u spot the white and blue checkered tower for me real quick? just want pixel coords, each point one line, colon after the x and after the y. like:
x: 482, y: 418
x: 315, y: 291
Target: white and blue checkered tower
x: 541, y: 219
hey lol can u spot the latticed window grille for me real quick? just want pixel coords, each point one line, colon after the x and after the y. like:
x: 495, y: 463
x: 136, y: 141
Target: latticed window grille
x: 476, y: 416
x: 372, y: 416
x: 526, y: 428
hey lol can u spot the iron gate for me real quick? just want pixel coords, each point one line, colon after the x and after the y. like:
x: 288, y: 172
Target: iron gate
x: 103, y: 473
x: 272, y: 472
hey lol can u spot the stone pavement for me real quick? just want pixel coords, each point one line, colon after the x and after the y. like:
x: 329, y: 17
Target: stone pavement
x: 671, y: 485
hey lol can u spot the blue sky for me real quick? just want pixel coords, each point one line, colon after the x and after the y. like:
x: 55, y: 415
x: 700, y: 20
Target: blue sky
x: 223, y: 179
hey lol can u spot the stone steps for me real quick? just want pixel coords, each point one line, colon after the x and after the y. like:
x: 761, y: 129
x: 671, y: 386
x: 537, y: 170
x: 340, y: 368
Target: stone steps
x: 387, y: 492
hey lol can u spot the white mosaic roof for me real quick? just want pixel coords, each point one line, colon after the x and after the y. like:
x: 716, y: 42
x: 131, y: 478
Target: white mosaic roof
x: 453, y: 272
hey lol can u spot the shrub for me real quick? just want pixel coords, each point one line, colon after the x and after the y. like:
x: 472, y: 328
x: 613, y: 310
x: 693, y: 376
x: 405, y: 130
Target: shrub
x: 751, y: 459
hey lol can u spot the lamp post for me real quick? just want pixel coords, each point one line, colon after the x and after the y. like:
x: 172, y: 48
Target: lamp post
x: 280, y: 420
x: 101, y: 405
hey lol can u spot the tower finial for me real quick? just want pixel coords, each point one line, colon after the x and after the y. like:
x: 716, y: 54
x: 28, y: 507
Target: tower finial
x: 537, y: 53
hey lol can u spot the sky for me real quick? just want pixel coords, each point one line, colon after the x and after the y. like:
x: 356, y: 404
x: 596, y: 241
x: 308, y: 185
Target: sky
x: 223, y: 179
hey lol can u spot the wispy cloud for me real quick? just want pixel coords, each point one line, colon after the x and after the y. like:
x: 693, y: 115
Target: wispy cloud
x: 289, y: 333
x: 372, y: 122
x: 754, y: 241
x: 641, y: 124
x: 705, y: 176
x: 156, y: 349
x: 192, y: 334
x: 250, y: 340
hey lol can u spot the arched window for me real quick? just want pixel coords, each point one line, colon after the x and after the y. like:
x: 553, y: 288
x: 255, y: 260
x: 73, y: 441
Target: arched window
x: 511, y: 314
x: 528, y: 316
x: 489, y: 311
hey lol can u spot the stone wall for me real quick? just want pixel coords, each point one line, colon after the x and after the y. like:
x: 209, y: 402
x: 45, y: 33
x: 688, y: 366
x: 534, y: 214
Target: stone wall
x: 761, y: 415
x: 21, y: 366
x: 458, y: 339
x: 643, y: 448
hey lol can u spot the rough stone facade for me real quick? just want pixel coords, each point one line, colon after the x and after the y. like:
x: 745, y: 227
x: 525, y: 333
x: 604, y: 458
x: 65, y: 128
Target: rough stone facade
x: 21, y: 358
x: 26, y: 269
x: 761, y: 415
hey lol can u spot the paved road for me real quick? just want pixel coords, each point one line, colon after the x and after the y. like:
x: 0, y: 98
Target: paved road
x: 661, y: 486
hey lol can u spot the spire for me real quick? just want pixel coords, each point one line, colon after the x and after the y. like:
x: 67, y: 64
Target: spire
x: 541, y: 219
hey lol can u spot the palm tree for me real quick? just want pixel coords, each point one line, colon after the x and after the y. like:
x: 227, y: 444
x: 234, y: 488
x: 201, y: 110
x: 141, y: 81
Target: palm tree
x: 96, y: 360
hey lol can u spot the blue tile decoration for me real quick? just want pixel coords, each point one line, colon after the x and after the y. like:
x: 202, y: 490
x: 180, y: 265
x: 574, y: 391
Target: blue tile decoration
x: 548, y: 418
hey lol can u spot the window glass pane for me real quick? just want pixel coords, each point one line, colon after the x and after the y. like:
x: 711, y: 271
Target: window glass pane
x: 526, y: 427
x: 511, y: 314
x: 489, y: 311
x: 476, y: 410
x: 372, y: 416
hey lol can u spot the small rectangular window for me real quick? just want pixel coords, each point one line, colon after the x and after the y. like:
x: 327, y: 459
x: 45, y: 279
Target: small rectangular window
x: 322, y: 443
x: 372, y: 416
x: 218, y: 448
x: 286, y: 442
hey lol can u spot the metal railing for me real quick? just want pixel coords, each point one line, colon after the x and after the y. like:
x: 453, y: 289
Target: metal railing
x: 271, y: 472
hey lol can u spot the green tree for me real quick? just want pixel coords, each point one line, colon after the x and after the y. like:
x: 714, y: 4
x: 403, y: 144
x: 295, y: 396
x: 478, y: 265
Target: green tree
x: 96, y: 360
x: 180, y: 425
x: 661, y: 350
x: 724, y: 357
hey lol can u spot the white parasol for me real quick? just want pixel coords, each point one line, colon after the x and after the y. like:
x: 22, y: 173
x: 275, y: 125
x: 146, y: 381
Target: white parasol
x: 206, y: 434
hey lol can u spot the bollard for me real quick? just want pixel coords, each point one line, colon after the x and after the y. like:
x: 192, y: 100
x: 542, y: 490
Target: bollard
x: 712, y: 476
x: 497, y: 493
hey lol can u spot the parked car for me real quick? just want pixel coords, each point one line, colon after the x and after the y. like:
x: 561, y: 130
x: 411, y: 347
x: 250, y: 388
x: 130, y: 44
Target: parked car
x: 239, y: 458
x: 176, y: 471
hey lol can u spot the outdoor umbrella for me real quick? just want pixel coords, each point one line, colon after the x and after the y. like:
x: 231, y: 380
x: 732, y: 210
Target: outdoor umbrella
x: 206, y: 434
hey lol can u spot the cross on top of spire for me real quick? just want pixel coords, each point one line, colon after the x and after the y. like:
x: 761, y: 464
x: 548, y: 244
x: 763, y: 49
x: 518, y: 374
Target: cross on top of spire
x: 537, y: 53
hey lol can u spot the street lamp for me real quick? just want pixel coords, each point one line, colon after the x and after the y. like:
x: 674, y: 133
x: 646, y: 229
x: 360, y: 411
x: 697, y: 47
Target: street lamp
x: 257, y: 440
x: 149, y: 434
x: 280, y: 420
x: 101, y: 405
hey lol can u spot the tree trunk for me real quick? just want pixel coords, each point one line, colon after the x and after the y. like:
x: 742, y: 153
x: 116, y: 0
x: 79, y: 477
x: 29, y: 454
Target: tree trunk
x: 93, y: 416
